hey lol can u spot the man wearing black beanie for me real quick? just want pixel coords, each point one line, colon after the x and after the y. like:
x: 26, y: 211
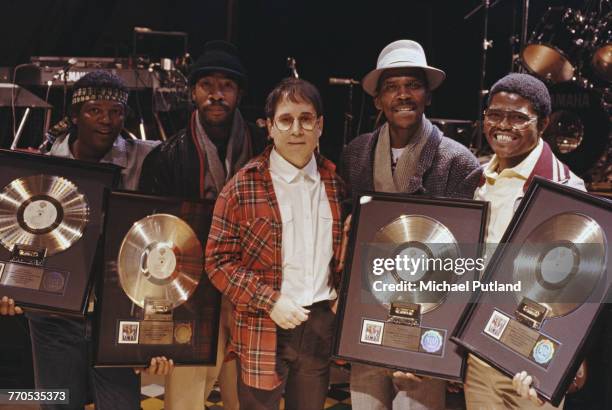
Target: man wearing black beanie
x: 196, y: 163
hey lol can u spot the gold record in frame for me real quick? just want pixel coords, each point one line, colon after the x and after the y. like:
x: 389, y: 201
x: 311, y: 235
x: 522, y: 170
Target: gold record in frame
x: 44, y: 211
x: 160, y: 258
x: 417, y: 236
x: 562, y: 260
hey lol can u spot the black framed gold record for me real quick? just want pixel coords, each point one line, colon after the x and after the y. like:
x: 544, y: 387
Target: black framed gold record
x: 154, y: 297
x: 555, y: 251
x: 406, y: 281
x: 51, y: 212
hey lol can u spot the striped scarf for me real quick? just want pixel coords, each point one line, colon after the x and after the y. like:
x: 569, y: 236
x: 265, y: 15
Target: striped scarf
x: 385, y: 180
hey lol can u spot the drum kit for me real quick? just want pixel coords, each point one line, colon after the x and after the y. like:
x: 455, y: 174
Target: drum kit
x: 571, y: 50
x: 571, y: 45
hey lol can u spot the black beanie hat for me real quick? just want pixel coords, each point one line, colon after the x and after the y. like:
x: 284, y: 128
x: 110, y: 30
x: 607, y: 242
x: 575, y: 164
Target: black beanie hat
x: 218, y: 56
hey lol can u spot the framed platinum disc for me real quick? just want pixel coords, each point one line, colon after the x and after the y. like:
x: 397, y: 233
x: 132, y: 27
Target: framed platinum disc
x: 160, y: 258
x: 562, y: 259
x: 417, y: 237
x: 43, y: 211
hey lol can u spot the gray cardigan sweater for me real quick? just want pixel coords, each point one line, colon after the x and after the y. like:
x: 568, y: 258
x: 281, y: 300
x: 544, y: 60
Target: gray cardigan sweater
x: 446, y: 168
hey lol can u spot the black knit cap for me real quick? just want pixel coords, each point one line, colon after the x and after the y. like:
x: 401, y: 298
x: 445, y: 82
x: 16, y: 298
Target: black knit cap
x: 222, y: 57
x: 528, y: 87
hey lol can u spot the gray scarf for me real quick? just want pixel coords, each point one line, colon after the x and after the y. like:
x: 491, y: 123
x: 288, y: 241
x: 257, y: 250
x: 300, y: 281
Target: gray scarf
x: 384, y: 179
x: 239, y: 151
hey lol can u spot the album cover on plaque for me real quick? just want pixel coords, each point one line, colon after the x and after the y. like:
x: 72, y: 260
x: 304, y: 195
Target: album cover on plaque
x: 51, y: 212
x: 555, y: 255
x: 409, y: 270
x: 154, y: 298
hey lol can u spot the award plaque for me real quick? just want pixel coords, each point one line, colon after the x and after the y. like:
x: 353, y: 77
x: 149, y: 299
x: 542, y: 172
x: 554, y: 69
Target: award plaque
x: 50, y: 222
x: 154, y: 297
x: 408, y: 277
x: 555, y: 252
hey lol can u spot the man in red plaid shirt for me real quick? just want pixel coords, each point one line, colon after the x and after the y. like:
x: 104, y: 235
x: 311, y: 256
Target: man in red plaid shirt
x: 274, y: 250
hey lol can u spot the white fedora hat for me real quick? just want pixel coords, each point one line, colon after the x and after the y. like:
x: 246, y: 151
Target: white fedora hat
x: 402, y: 54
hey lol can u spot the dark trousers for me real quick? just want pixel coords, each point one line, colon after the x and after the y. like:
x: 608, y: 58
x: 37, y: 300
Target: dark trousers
x: 61, y: 348
x: 302, y: 362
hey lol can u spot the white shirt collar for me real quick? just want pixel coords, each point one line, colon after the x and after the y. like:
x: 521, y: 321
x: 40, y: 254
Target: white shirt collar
x: 116, y: 155
x: 289, y: 172
x: 522, y: 169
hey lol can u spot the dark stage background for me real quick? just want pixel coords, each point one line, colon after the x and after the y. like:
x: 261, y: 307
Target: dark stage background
x: 333, y: 38
x: 327, y: 38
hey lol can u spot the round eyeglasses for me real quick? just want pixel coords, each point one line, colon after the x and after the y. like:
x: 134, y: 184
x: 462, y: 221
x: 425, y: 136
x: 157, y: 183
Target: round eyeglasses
x: 307, y: 122
x: 516, y: 119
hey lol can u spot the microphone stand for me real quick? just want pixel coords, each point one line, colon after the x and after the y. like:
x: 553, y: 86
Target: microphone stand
x: 65, y: 78
x: 348, y: 114
x: 348, y: 117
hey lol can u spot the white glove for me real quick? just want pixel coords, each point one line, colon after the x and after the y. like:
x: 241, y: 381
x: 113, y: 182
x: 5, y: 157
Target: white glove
x: 522, y: 385
x: 287, y: 314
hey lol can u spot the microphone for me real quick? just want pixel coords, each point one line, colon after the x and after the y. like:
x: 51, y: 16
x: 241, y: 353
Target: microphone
x: 165, y: 64
x: 292, y: 65
x: 69, y: 64
x: 342, y: 81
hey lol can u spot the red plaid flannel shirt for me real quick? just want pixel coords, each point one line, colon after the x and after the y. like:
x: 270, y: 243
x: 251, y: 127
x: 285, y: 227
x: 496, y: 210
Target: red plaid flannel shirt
x: 243, y: 260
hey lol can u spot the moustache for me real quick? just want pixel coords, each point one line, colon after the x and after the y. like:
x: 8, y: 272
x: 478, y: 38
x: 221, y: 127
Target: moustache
x: 218, y: 104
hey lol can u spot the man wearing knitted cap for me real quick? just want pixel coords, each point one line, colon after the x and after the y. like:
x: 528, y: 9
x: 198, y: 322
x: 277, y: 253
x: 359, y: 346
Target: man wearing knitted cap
x: 196, y: 163
x: 93, y: 131
x: 411, y: 155
x: 61, y: 346
x: 517, y: 114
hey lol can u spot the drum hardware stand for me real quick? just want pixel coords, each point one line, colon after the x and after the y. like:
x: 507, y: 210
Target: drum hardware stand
x: 476, y: 144
x: 524, y: 23
x: 486, y: 44
x: 520, y: 42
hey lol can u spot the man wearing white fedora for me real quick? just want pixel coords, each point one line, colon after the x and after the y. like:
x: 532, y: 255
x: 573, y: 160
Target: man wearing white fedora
x: 406, y: 154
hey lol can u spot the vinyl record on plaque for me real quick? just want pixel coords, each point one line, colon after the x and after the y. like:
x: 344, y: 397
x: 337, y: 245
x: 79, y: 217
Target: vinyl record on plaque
x: 418, y: 237
x: 561, y: 262
x: 160, y: 258
x: 43, y: 211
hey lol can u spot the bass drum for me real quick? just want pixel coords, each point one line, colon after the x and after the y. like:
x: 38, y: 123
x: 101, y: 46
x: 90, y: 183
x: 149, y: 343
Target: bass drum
x: 579, y: 125
x: 555, y: 47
